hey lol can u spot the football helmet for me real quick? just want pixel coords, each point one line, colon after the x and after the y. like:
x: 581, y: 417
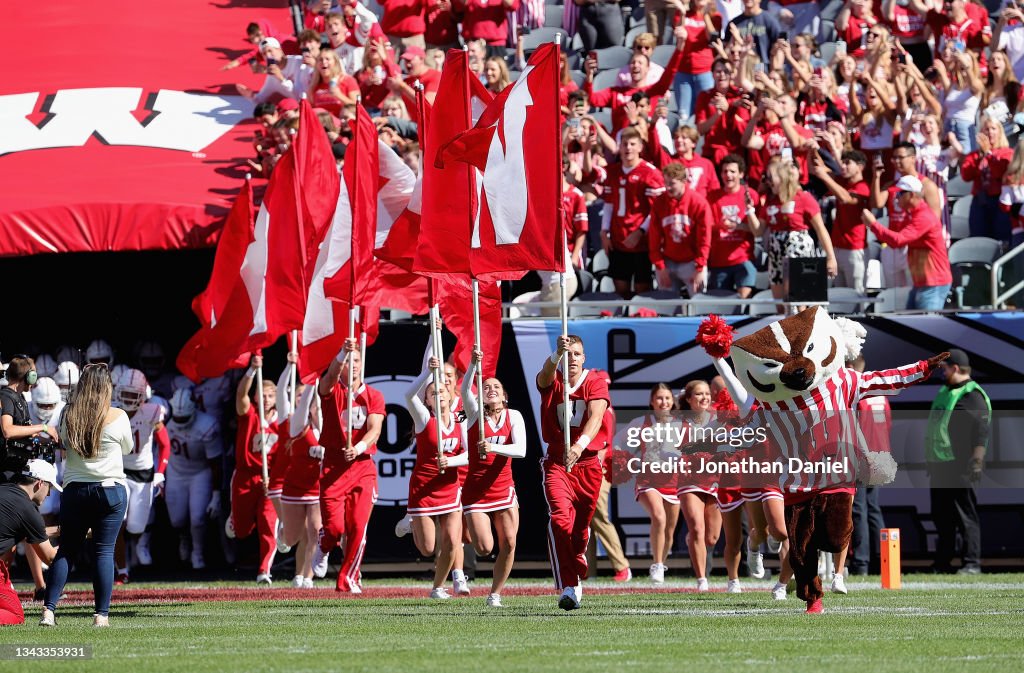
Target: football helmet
x: 130, y: 388
x: 99, y: 351
x: 69, y: 354
x: 45, y: 365
x: 45, y: 398
x: 149, y: 357
x: 66, y: 378
x: 183, y: 406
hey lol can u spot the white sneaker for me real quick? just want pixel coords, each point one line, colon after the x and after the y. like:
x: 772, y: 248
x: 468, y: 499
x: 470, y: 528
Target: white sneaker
x: 702, y: 584
x: 774, y: 546
x: 320, y: 557
x: 354, y: 588
x: 142, y: 554
x: 734, y: 587
x: 184, y: 548
x: 569, y: 600
x: 229, y: 528
x: 282, y: 548
x: 657, y: 573
x: 779, y: 591
x: 403, y: 527
x: 264, y: 578
x: 307, y: 582
x: 755, y: 562
x: 297, y: 581
x: 839, y: 585
x: 198, y: 563
x: 459, y: 584
x: 440, y: 593
x: 48, y: 619
x: 493, y: 600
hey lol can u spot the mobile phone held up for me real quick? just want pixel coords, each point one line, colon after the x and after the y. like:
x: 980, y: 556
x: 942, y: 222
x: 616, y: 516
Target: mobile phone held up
x: 592, y: 55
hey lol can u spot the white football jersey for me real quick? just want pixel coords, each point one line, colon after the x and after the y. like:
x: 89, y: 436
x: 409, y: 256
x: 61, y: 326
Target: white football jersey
x: 212, y: 394
x: 144, y: 422
x: 193, y: 446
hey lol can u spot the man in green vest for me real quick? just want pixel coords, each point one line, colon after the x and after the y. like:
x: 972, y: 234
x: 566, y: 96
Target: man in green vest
x: 955, y: 442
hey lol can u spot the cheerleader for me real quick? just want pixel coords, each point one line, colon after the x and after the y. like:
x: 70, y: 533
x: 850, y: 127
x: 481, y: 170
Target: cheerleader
x: 435, y: 493
x: 698, y: 502
x: 729, y: 493
x: 489, y: 494
x: 279, y: 465
x: 300, y: 496
x: 657, y: 494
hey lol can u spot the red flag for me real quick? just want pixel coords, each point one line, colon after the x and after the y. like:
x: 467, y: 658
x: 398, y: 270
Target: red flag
x: 516, y: 145
x: 234, y: 239
x: 449, y: 199
x: 456, y: 302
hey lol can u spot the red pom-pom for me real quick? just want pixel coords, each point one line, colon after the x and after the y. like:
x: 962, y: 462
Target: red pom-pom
x: 723, y: 401
x: 616, y: 467
x: 715, y: 335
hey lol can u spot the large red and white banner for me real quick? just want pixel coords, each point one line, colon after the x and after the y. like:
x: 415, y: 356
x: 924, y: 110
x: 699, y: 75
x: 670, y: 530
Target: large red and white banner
x: 121, y: 132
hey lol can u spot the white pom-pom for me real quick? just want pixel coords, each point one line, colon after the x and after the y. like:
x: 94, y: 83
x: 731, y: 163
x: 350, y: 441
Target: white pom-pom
x: 880, y: 467
x: 853, y: 337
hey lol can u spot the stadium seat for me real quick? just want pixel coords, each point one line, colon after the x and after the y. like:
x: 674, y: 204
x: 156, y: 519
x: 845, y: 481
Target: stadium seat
x: 586, y: 281
x: 522, y: 308
x: 957, y: 187
x: 762, y: 309
x: 761, y: 280
x: 827, y: 50
x: 663, y: 54
x: 579, y: 77
x: 606, y: 284
x: 612, y: 58
x: 959, y: 219
x: 553, y: 15
x: 971, y: 261
x: 891, y: 299
x: 513, y: 75
x: 640, y: 301
x: 711, y: 302
x: 632, y: 34
x: 577, y: 311
x: 603, y: 117
x: 844, y: 300
x: 540, y: 36
x: 397, y: 314
x: 605, y: 79
x: 599, y: 263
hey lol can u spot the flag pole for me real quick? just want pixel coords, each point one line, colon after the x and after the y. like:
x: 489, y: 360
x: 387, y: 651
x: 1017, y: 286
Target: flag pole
x: 265, y: 470
x: 295, y: 369
x: 563, y: 309
x: 353, y: 313
x: 480, y: 368
x: 435, y: 338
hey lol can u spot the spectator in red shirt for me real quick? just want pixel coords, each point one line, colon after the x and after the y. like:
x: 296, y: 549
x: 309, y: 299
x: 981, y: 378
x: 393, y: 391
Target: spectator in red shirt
x: 485, y: 19
x: 698, y: 27
x: 852, y: 24
x: 373, y: 77
x: 790, y: 213
x: 771, y: 131
x: 701, y: 172
x: 416, y: 70
x: 629, y: 190
x: 849, y: 235
x: 732, y: 242
x: 566, y: 85
x: 986, y: 167
x: 255, y: 32
x: 722, y: 114
x: 331, y: 88
x: 442, y: 25
x: 617, y: 96
x: 679, y: 235
x: 926, y: 246
x: 961, y: 22
x: 403, y: 23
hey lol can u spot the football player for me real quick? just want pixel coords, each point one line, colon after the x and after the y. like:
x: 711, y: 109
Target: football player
x: 66, y: 378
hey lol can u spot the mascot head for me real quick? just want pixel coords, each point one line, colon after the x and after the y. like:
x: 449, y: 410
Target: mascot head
x: 790, y: 356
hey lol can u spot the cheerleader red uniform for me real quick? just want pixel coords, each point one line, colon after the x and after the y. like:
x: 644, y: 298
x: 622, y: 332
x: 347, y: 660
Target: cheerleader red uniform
x: 697, y: 483
x: 431, y: 492
x: 348, y: 489
x: 250, y: 507
x: 302, y: 480
x: 662, y: 484
x: 277, y: 471
x: 488, y: 486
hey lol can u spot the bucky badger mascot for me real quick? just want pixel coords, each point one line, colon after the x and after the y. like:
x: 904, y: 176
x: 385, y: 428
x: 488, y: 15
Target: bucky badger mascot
x: 790, y: 378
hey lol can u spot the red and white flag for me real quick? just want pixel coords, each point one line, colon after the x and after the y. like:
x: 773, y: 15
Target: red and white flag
x: 375, y: 186
x: 235, y: 237
x: 517, y: 147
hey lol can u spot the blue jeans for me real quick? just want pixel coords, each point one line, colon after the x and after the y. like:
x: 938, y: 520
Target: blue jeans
x: 685, y: 89
x: 986, y: 218
x: 928, y: 297
x: 84, y: 506
x: 965, y: 132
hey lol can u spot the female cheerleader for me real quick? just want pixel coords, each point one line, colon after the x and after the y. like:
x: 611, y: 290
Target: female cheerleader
x: 281, y: 459
x: 435, y: 493
x: 489, y: 494
x: 300, y: 496
x: 698, y: 502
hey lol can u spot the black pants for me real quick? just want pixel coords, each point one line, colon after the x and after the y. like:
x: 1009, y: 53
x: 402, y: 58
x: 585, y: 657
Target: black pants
x: 823, y: 523
x: 954, y: 509
x: 601, y: 26
x: 867, y: 524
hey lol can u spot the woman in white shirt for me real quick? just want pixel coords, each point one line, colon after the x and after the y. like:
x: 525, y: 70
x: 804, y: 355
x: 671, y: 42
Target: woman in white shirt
x: 94, y: 436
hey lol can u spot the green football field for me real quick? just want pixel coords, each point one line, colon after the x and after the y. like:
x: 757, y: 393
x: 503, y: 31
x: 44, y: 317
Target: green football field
x: 933, y: 624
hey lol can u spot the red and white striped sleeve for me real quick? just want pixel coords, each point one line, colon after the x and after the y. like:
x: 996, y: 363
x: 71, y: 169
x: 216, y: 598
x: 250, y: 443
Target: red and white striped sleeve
x: 892, y: 381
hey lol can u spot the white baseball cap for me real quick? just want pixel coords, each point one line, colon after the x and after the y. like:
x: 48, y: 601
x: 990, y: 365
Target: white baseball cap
x: 43, y: 471
x: 269, y: 42
x: 908, y: 183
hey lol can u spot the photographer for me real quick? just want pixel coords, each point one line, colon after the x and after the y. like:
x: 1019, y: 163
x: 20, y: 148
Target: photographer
x: 20, y: 498
x: 15, y: 421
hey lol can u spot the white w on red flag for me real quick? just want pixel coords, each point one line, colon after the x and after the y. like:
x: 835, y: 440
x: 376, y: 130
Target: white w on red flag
x: 516, y: 146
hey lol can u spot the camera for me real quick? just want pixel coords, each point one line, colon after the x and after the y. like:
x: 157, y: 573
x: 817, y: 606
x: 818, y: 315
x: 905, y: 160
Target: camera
x: 17, y: 452
x: 271, y: 61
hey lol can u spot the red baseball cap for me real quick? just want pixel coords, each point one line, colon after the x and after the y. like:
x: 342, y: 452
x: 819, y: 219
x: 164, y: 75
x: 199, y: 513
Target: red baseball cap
x: 413, y: 51
x: 287, y: 105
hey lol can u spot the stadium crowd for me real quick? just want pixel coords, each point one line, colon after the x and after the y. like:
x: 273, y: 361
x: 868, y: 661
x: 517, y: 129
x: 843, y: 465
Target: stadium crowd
x: 707, y: 143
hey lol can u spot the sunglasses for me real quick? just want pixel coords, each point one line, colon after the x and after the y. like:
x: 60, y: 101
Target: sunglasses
x: 96, y: 365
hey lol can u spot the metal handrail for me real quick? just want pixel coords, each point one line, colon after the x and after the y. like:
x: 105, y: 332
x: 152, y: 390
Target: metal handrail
x: 998, y: 299
x: 680, y: 303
